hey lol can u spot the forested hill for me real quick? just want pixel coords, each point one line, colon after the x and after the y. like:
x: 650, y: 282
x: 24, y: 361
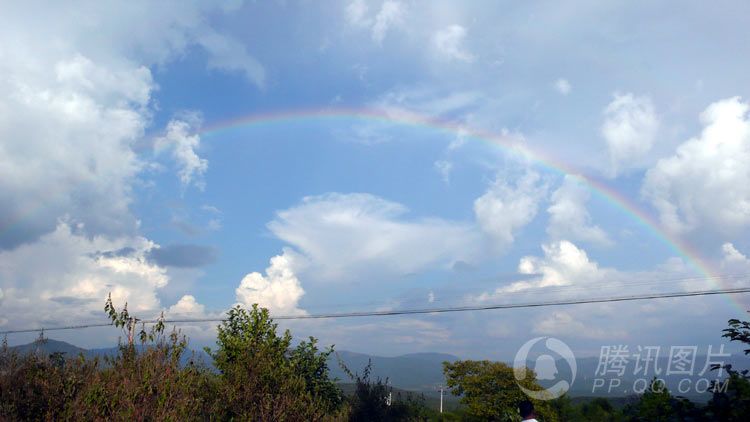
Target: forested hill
x: 416, y: 371
x: 424, y: 371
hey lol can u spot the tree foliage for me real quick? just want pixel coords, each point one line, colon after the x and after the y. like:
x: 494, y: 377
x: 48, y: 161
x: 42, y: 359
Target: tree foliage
x: 260, y: 377
x: 373, y: 400
x: 263, y: 378
x: 489, y: 390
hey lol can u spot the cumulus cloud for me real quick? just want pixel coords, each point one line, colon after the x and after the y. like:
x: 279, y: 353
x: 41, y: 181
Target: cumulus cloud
x: 347, y: 234
x: 65, y: 276
x: 67, y: 127
x: 180, y: 138
x: 73, y: 110
x: 706, y: 183
x: 504, y: 208
x: 279, y: 290
x: 569, y: 218
x: 563, y: 264
x: 563, y: 87
x: 732, y: 255
x: 566, y: 271
x: 629, y: 128
x: 187, y: 306
x: 733, y: 261
x: 448, y: 43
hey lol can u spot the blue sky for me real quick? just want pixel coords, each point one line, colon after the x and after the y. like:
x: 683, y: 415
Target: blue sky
x: 114, y: 178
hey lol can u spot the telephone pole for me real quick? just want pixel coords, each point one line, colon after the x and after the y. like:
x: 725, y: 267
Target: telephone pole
x: 441, y: 399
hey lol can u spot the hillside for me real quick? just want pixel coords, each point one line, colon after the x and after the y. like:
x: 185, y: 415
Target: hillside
x: 423, y: 372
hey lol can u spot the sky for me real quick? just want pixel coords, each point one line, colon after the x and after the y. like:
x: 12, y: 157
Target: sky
x: 324, y: 157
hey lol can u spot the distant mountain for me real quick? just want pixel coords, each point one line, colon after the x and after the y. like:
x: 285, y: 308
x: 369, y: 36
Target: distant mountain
x: 423, y: 372
x: 415, y: 371
x: 50, y: 346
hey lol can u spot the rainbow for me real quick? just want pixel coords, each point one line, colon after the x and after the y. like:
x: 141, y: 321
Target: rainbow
x: 509, y: 144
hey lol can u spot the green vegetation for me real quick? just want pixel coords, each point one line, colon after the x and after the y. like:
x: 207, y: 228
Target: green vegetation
x: 490, y: 392
x: 260, y: 375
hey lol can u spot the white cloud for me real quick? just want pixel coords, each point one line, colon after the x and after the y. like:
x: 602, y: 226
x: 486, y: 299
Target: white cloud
x: 228, y: 54
x: 356, y: 13
x: 67, y: 127
x: 344, y: 235
x: 400, y: 332
x: 732, y: 255
x: 563, y: 87
x: 279, y: 290
x: 75, y: 101
x: 569, y: 218
x: 418, y: 103
x: 187, y: 306
x: 563, y: 264
x: 734, y: 261
x: 65, y: 277
x: 565, y: 324
x: 448, y: 42
x: 74, y: 109
x: 706, y: 183
x: 425, y: 102
x: 566, y: 271
x: 391, y: 14
x: 181, y: 139
x: 504, y: 209
x: 629, y: 128
x: 445, y: 168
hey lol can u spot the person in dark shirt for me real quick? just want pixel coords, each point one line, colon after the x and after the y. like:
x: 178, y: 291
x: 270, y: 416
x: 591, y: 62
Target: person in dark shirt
x: 526, y: 408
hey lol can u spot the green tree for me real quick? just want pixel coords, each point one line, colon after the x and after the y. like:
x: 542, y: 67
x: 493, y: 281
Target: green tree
x: 732, y: 402
x: 598, y: 410
x: 373, y: 400
x: 490, y: 392
x: 655, y: 404
x: 312, y: 365
x: 263, y: 378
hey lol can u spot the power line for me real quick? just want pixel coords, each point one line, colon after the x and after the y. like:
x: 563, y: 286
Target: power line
x: 560, y: 289
x: 563, y: 302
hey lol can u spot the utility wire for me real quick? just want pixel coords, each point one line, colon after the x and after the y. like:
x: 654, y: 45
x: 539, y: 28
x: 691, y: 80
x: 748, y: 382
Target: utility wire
x: 442, y: 292
x: 563, y: 302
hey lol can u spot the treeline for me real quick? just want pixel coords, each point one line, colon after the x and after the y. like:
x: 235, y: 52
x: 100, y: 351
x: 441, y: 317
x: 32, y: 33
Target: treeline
x: 260, y: 375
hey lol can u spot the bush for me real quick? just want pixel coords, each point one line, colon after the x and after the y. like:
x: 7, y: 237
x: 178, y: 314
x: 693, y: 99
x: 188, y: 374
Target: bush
x: 260, y: 377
